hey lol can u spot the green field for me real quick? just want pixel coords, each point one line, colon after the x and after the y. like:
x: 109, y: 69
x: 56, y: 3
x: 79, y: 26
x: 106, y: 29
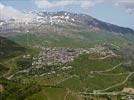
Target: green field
x: 54, y: 94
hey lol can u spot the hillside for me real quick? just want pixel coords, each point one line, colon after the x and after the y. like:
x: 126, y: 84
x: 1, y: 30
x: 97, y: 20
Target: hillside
x: 65, y: 56
x: 9, y: 48
x: 62, y: 21
x: 87, y: 73
x: 79, y: 39
x: 64, y: 29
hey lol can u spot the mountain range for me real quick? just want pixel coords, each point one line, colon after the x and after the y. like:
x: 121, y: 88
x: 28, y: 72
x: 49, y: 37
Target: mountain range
x: 63, y: 28
x: 44, y: 21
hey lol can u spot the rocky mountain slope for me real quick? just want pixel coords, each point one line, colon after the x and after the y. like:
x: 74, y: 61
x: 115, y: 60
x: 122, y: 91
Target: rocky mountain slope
x: 60, y: 22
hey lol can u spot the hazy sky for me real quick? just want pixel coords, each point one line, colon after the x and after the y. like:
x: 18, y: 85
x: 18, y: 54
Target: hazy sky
x: 119, y: 12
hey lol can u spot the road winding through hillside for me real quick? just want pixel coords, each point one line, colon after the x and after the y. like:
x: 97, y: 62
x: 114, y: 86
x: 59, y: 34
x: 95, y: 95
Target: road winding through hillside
x: 119, y: 84
x: 108, y: 70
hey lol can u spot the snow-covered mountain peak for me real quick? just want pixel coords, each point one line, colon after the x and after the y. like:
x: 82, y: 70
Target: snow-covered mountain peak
x: 41, y: 20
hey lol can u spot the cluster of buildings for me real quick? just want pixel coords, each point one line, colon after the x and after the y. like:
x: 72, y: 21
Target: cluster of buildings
x: 102, y: 51
x: 59, y: 56
x: 56, y: 56
x: 48, y: 58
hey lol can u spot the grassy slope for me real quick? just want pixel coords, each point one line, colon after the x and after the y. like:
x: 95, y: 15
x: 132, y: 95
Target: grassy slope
x: 48, y: 39
x: 90, y: 81
x: 9, y: 48
x: 16, y: 91
x: 104, y: 38
x: 82, y: 80
x: 54, y: 94
x: 81, y: 39
x: 82, y: 65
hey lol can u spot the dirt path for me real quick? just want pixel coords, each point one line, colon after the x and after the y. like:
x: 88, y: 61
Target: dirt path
x: 119, y: 84
x: 108, y: 70
x: 11, y: 76
x: 101, y: 58
x: 1, y: 88
x: 66, y: 94
x: 10, y: 64
x: 66, y: 79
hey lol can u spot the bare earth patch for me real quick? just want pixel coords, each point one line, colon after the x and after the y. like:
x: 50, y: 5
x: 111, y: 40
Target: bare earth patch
x: 1, y: 88
x: 128, y: 90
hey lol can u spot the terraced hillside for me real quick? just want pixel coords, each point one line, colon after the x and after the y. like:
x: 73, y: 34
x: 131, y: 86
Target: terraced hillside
x: 80, y: 79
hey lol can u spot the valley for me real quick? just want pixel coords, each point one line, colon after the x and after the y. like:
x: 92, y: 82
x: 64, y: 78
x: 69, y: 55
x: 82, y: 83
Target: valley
x: 65, y: 56
x: 80, y: 73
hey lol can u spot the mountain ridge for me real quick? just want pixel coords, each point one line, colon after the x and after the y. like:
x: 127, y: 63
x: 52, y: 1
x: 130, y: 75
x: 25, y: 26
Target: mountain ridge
x: 63, y: 21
